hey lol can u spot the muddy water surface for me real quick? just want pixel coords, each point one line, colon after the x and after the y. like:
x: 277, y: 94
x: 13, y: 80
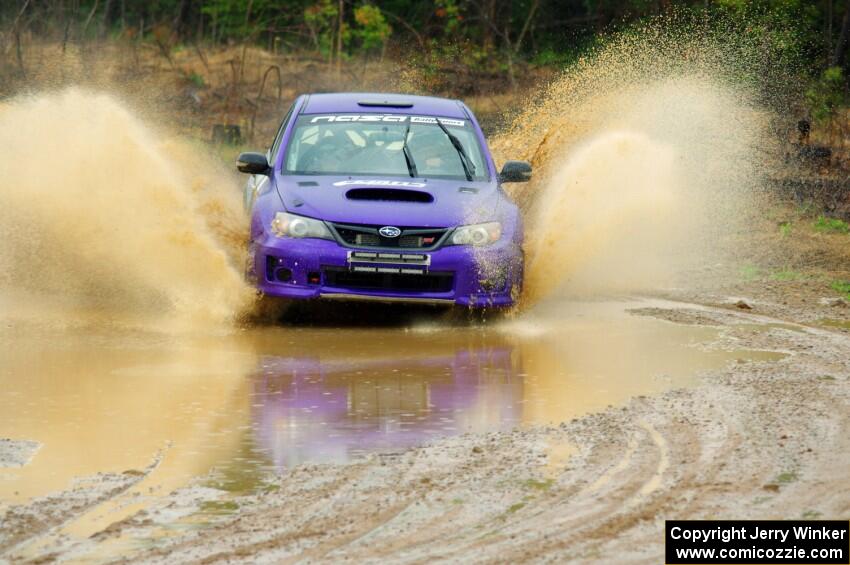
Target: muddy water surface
x: 241, y: 406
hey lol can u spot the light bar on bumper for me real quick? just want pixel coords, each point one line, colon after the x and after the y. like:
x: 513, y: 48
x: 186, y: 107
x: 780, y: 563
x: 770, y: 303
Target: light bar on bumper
x: 391, y: 270
x: 376, y: 262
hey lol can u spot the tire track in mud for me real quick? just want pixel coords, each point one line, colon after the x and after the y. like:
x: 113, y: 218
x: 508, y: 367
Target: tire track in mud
x: 754, y: 440
x: 701, y: 491
x: 26, y: 527
x: 706, y: 488
x: 304, y: 530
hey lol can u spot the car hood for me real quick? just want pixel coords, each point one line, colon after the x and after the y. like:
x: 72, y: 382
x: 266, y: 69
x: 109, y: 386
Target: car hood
x: 389, y: 200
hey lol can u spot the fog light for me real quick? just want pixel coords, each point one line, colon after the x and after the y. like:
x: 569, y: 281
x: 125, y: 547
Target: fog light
x: 283, y: 275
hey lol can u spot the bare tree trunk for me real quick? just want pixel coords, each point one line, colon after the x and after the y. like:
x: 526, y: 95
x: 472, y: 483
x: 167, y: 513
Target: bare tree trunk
x: 177, y: 22
x: 488, y: 14
x: 245, y: 43
x: 841, y: 46
x: 199, y: 33
x: 88, y: 18
x: 829, y: 26
x: 510, y: 51
x: 339, y: 37
x: 526, y: 25
x: 65, y: 34
x: 20, y: 14
x: 104, y: 20
x: 16, y: 34
x: 59, y: 9
x: 419, y: 39
x: 19, y: 52
x: 202, y: 57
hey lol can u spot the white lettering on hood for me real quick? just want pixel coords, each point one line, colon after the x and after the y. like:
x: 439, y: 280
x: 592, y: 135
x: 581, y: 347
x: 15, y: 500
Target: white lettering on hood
x: 380, y: 182
x: 398, y: 118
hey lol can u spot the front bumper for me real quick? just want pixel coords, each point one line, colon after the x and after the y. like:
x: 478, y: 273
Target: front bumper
x: 453, y: 275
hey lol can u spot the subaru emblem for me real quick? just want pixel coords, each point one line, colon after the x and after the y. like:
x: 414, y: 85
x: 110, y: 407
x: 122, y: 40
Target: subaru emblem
x: 389, y: 231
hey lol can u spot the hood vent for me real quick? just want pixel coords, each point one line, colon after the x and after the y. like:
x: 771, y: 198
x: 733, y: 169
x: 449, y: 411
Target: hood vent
x: 389, y: 195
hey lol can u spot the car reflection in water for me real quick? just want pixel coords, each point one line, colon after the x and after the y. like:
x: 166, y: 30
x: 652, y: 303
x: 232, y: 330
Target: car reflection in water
x: 323, y: 396
x: 308, y: 409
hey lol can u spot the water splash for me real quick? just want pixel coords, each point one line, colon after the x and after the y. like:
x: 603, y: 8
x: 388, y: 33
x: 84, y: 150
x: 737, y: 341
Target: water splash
x: 596, y: 211
x: 645, y: 154
x: 102, y: 216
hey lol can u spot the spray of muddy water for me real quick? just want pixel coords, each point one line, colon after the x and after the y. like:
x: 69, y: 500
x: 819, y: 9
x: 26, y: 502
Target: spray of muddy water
x: 101, y: 214
x: 645, y: 155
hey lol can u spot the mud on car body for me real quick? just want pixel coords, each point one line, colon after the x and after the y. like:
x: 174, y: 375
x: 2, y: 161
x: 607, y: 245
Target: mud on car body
x: 383, y: 197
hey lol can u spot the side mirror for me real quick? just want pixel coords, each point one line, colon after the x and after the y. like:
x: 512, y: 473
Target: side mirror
x: 516, y: 171
x: 252, y: 163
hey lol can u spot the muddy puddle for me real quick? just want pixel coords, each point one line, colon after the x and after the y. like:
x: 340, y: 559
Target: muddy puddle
x: 239, y: 407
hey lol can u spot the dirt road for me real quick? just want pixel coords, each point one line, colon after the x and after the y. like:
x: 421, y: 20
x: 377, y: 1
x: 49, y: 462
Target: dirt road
x: 753, y: 439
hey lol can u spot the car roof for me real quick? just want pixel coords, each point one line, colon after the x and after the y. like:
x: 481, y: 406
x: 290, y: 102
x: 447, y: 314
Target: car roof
x: 381, y: 102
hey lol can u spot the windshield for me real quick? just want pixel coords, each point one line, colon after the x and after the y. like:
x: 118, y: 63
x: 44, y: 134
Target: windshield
x: 374, y: 144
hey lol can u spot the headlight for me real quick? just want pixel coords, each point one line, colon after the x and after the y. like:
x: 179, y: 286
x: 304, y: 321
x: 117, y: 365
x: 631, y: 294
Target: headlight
x: 290, y: 225
x: 477, y: 234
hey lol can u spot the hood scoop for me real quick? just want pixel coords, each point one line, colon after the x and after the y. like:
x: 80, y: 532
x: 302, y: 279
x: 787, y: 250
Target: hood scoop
x: 389, y: 195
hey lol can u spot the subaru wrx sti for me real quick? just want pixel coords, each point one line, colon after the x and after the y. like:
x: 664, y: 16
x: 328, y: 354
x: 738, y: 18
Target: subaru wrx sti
x: 383, y: 197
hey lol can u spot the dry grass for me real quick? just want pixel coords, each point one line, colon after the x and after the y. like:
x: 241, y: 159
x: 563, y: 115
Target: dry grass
x: 191, y: 87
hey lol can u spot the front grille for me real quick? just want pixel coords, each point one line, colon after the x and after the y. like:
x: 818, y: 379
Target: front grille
x: 409, y: 241
x: 362, y: 235
x: 367, y: 239
x: 426, y: 282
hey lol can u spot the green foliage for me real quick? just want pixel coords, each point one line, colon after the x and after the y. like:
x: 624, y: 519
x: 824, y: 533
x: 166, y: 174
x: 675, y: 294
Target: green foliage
x: 786, y: 37
x: 232, y: 19
x: 197, y: 80
x: 368, y: 32
x: 750, y: 272
x: 786, y: 274
x: 219, y: 506
x: 797, y: 20
x: 827, y: 94
x: 841, y: 286
x: 372, y: 29
x: 551, y: 57
x: 320, y: 19
x: 831, y: 225
x: 448, y: 11
x: 536, y: 484
x: 833, y: 323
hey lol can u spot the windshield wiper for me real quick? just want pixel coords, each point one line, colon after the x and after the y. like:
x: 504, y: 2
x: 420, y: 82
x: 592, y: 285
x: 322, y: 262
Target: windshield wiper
x: 408, y: 157
x: 465, y: 162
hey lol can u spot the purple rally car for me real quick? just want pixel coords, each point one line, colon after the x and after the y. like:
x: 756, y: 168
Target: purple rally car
x: 383, y: 197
